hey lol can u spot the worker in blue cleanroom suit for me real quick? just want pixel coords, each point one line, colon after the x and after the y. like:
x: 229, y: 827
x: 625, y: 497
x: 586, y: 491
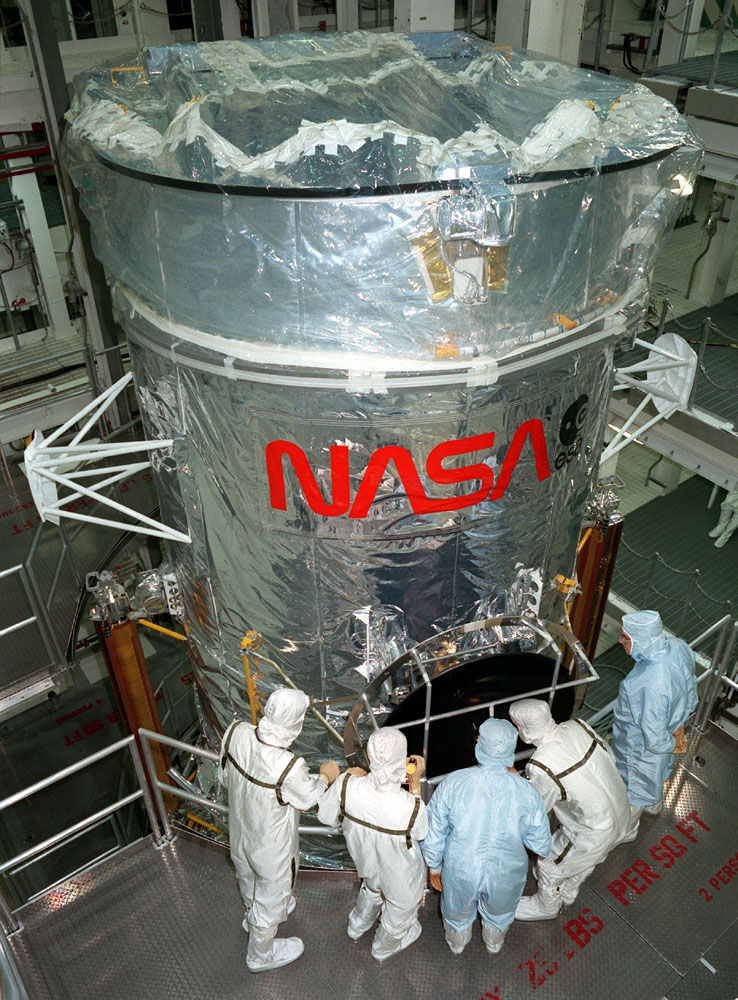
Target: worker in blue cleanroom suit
x: 480, y: 820
x: 654, y: 701
x: 575, y: 772
x: 267, y: 788
x: 383, y: 824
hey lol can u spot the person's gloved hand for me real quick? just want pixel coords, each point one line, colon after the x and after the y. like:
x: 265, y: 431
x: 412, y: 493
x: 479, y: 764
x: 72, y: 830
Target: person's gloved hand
x: 435, y: 881
x: 680, y: 740
x: 358, y: 771
x: 330, y: 771
x: 415, y: 766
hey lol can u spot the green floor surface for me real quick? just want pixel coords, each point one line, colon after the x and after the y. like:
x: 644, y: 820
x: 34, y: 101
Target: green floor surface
x: 675, y: 527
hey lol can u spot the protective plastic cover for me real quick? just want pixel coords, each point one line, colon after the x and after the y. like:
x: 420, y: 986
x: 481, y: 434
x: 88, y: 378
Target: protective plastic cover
x: 507, y: 209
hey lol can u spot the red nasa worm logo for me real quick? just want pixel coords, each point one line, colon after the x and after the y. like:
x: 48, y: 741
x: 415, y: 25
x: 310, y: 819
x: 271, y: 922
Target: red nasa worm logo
x: 340, y: 502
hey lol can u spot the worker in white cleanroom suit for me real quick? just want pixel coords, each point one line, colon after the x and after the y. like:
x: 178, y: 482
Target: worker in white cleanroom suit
x: 267, y: 788
x: 480, y: 821
x: 575, y: 772
x: 728, y: 521
x: 654, y: 701
x: 383, y: 824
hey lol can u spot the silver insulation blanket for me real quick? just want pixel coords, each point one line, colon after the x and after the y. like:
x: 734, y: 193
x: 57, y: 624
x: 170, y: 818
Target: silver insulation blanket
x: 372, y: 286
x: 306, y: 505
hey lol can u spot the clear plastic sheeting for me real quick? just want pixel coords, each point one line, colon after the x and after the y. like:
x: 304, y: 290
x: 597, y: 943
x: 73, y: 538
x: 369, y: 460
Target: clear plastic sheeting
x: 362, y: 110
x: 487, y: 193
x: 372, y: 286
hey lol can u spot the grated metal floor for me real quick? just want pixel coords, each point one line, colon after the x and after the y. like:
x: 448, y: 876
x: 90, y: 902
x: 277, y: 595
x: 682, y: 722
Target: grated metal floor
x: 697, y: 70
x: 164, y: 925
x: 677, y: 526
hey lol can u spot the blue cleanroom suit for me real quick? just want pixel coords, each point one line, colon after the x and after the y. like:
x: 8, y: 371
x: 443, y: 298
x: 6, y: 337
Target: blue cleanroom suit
x: 480, y: 820
x: 654, y: 700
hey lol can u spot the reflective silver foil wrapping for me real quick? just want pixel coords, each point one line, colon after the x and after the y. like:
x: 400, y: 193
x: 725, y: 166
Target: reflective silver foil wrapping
x: 384, y: 357
x: 295, y: 576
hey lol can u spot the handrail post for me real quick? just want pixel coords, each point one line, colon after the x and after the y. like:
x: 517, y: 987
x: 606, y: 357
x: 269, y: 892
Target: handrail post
x: 712, y: 682
x: 555, y: 678
x: 369, y: 712
x: 685, y: 30
x: 652, y: 40
x: 724, y: 22
x: 687, y: 599
x: 67, y: 546
x: 7, y: 917
x: 428, y: 698
x: 655, y: 558
x: 702, y: 712
x: 714, y: 686
x: 706, y: 327
x: 141, y: 775
x: 600, y: 34
x: 156, y: 791
x: 48, y: 637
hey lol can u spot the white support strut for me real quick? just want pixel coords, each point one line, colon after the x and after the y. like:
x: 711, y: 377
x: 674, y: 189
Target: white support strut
x: 669, y: 371
x: 49, y: 467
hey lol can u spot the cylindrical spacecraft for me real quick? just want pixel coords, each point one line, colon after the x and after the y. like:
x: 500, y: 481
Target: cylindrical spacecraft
x: 372, y: 286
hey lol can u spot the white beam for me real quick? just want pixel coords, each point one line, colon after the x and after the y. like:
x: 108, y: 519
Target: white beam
x: 554, y: 27
x: 681, y: 16
x: 230, y: 19
x: 347, y: 15
x: 25, y: 188
x: 510, y: 23
x: 48, y: 467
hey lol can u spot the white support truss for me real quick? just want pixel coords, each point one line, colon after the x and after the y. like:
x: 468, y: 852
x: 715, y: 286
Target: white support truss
x: 49, y: 467
x: 669, y: 371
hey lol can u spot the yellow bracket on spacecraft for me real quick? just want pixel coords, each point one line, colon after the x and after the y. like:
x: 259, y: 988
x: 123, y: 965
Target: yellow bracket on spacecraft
x: 251, y: 642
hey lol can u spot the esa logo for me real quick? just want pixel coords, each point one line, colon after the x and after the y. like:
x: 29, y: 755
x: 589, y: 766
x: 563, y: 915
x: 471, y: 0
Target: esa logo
x: 570, y: 432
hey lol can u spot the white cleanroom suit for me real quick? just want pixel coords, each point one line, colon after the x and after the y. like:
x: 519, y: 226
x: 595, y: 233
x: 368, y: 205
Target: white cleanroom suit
x: 480, y: 821
x: 654, y: 701
x: 728, y: 521
x: 267, y: 788
x: 575, y: 772
x: 382, y: 824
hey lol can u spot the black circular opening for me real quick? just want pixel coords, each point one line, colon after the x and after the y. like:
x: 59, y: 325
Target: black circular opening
x: 451, y: 741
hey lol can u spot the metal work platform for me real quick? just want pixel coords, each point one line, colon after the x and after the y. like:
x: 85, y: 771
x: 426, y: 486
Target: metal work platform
x: 696, y: 69
x: 656, y: 921
x: 42, y: 383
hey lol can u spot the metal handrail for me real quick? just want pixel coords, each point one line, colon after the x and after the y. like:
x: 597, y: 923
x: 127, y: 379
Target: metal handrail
x: 37, y: 617
x: 40, y: 604
x: 10, y: 977
x: 552, y: 635
x: 720, y: 673
x: 16, y: 871
x: 71, y: 832
x: 148, y: 737
x: 169, y: 703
